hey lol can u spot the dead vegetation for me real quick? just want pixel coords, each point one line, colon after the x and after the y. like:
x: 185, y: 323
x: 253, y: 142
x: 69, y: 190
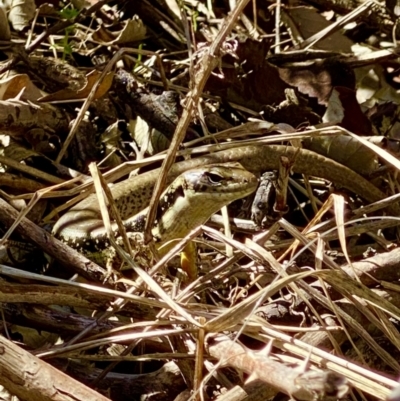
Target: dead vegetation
x: 301, y: 304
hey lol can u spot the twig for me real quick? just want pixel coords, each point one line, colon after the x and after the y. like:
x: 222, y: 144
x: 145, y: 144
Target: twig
x: 206, y: 66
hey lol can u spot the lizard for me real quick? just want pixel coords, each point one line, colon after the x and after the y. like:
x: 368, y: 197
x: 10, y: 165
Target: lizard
x: 188, y: 202
x: 133, y: 194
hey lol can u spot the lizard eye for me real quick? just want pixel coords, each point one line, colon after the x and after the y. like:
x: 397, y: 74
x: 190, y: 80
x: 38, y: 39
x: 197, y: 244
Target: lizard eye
x: 214, y: 178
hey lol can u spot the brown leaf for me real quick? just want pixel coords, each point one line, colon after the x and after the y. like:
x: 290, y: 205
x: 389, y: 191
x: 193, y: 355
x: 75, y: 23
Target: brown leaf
x: 83, y: 93
x: 345, y: 150
x: 133, y: 31
x: 19, y: 86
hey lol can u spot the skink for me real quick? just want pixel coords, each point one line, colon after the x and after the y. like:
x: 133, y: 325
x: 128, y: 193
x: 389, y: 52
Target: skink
x: 133, y: 194
x: 186, y: 204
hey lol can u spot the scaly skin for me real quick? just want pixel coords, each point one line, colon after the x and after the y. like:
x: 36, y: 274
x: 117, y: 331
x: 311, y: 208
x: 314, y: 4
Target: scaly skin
x: 186, y: 204
x: 133, y: 194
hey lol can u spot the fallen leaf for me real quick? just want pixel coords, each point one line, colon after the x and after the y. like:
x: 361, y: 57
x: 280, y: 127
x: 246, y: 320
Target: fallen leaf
x: 19, y: 86
x: 83, y: 93
x: 133, y: 31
